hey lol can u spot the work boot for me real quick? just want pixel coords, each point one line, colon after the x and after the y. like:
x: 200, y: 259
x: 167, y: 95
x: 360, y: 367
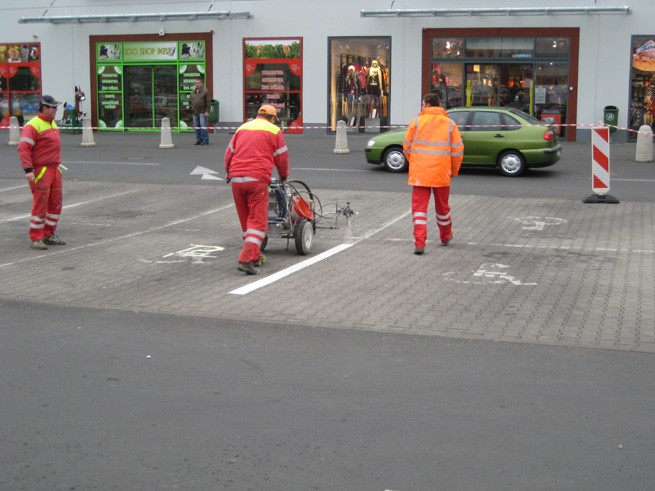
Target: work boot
x: 53, y: 240
x: 419, y: 250
x: 260, y: 261
x: 447, y: 241
x: 248, y: 268
x: 39, y: 245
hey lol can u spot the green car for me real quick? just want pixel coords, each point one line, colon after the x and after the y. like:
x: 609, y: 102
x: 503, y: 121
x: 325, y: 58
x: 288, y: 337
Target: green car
x: 506, y: 138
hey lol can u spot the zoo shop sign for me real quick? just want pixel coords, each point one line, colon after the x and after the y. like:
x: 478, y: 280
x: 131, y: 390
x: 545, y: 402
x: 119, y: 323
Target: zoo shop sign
x: 149, y: 51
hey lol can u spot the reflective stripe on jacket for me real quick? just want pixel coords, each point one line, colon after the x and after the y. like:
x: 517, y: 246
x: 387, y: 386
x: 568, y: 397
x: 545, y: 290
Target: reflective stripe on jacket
x: 434, y: 148
x: 39, y: 144
x: 255, y: 148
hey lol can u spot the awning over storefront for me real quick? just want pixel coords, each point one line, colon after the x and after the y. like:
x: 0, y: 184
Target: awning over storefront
x: 164, y: 16
x: 595, y: 9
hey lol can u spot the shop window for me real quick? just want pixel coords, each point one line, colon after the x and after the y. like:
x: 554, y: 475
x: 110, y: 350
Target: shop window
x: 553, y: 47
x: 551, y: 93
x: 642, y: 87
x: 500, y: 47
x: 360, y: 83
x: 446, y: 82
x: 273, y: 75
x: 448, y: 47
x: 20, y: 82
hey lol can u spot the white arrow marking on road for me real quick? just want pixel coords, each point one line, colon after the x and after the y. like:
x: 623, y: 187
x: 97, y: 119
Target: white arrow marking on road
x: 206, y: 173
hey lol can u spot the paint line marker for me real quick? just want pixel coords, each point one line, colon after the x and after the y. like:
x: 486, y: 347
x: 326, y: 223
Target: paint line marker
x: 288, y: 271
x: 308, y: 262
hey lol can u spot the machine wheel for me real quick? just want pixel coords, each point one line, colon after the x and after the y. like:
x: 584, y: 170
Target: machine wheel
x: 304, y: 237
x: 264, y: 243
x: 511, y: 163
x: 394, y: 160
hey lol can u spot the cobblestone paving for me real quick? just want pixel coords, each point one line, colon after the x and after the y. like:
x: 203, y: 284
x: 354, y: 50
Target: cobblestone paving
x: 556, y: 272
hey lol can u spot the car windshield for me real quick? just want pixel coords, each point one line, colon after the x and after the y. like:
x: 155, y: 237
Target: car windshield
x: 530, y: 119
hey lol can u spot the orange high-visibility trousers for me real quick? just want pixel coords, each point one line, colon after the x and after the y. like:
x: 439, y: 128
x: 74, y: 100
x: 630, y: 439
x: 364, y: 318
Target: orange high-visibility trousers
x: 420, y: 202
x: 251, y: 201
x: 47, y: 201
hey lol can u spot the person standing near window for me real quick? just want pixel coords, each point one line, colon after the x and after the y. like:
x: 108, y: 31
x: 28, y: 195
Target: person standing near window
x: 200, y: 105
x: 39, y: 150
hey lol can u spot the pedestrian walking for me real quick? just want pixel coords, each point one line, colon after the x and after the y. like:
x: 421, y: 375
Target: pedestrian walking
x: 256, y: 147
x: 39, y: 150
x: 200, y: 105
x: 434, y: 149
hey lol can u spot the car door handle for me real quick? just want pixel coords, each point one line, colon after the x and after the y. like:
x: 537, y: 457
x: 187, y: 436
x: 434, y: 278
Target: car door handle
x: 498, y: 135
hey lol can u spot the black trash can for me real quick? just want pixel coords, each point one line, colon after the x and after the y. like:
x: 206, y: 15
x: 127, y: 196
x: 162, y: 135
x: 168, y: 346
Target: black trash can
x: 213, y: 112
x: 611, y: 117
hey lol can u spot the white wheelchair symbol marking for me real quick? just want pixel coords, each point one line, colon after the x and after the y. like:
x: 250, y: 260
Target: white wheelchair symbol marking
x: 488, y: 274
x: 197, y: 253
x: 538, y: 223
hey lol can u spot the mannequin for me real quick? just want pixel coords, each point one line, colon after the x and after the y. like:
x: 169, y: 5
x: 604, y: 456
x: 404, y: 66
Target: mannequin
x: 351, y: 88
x: 374, y: 88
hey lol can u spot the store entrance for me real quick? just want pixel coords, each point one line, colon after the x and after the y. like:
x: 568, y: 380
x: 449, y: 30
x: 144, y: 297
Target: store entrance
x: 500, y: 84
x: 150, y: 95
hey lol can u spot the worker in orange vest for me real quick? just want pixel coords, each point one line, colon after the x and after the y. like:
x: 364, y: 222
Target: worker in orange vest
x: 434, y: 149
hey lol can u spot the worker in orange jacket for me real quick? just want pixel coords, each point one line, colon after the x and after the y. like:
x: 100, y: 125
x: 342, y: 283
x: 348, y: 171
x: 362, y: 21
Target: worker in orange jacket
x: 434, y: 149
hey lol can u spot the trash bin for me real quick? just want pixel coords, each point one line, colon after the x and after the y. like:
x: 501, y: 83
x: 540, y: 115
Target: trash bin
x: 611, y: 117
x: 213, y: 111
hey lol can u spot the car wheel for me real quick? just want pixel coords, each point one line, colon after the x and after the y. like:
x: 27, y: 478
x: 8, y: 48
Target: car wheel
x: 394, y: 160
x: 511, y: 163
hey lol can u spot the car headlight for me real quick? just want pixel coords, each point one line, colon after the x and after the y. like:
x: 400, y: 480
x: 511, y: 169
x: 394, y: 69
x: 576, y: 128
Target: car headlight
x: 370, y: 143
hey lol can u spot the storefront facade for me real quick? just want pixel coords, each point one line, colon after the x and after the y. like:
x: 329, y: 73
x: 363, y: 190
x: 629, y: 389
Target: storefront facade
x: 321, y: 63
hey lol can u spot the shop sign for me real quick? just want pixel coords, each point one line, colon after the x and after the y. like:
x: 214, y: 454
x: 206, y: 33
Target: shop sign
x: 156, y: 51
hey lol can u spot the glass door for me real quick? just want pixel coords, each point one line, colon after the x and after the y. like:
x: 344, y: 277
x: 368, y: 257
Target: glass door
x: 150, y: 95
x: 517, y: 87
x: 481, y: 85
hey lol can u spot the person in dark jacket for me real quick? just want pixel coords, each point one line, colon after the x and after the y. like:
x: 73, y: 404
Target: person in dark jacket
x: 200, y: 105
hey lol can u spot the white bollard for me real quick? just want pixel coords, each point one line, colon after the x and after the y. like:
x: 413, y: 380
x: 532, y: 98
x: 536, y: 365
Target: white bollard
x: 644, y: 152
x: 166, y: 137
x: 341, y: 145
x: 87, y: 133
x: 14, y: 131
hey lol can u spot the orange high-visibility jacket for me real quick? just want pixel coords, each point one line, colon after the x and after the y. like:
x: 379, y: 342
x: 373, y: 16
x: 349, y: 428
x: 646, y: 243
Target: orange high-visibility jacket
x: 434, y: 149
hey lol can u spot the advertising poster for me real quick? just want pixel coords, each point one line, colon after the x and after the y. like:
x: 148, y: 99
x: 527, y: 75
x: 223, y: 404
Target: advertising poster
x: 273, y: 75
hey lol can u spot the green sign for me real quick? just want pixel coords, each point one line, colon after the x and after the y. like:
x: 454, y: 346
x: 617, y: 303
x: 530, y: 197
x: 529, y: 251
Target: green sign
x: 157, y: 51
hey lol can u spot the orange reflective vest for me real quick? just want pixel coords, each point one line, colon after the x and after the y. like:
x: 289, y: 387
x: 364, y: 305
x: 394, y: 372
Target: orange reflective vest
x: 434, y: 149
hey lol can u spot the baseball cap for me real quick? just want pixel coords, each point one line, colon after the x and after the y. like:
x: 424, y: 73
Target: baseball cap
x: 267, y: 110
x: 48, y: 100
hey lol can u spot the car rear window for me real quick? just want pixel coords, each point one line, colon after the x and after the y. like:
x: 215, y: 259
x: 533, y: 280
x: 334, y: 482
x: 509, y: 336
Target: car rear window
x: 530, y: 119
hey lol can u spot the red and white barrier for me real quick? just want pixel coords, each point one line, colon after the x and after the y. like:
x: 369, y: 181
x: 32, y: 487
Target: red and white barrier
x: 600, y: 160
x: 600, y: 166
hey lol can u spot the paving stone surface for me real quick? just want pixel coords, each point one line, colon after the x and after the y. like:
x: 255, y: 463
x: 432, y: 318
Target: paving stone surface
x: 549, y: 271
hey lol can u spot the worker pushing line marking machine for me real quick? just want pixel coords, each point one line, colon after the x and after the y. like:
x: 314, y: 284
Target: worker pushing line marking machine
x: 294, y: 212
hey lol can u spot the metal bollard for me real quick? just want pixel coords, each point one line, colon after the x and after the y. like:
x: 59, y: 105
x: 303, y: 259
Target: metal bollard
x: 644, y: 149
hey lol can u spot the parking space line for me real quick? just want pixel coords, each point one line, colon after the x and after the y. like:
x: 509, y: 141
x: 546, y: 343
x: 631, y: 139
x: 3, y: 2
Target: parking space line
x: 308, y: 262
x: 122, y: 237
x: 74, y: 205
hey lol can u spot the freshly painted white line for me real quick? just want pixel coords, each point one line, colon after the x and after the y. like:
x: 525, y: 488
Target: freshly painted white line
x: 73, y: 205
x: 329, y: 170
x: 122, y: 237
x: 308, y: 262
x: 286, y: 272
